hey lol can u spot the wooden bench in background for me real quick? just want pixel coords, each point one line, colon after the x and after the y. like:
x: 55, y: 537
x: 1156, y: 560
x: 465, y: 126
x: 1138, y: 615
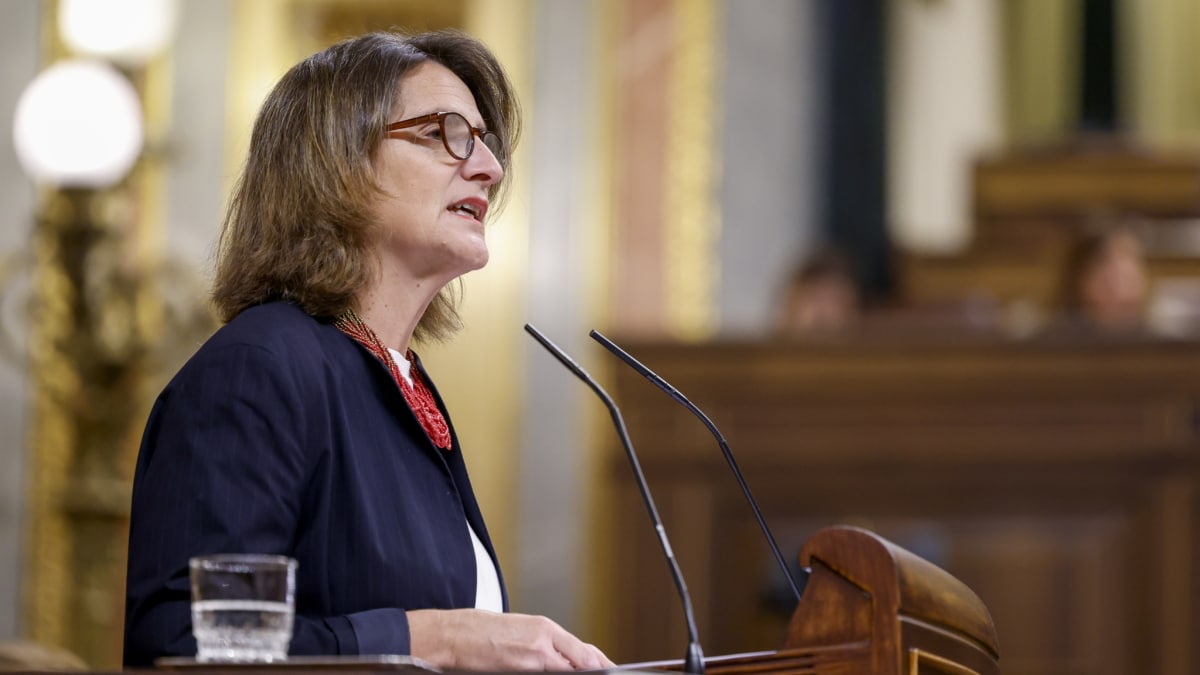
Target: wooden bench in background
x: 1030, y: 208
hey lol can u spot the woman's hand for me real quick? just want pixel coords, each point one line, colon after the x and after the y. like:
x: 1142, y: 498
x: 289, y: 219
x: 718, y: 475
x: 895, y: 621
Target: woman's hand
x: 476, y: 639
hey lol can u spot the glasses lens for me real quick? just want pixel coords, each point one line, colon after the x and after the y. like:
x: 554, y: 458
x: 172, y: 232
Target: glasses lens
x: 492, y: 141
x: 459, y: 140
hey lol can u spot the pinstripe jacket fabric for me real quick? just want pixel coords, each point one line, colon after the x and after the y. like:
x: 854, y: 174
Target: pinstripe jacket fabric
x: 282, y: 435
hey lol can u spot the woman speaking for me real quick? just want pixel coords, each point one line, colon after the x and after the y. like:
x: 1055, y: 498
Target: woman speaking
x: 306, y: 426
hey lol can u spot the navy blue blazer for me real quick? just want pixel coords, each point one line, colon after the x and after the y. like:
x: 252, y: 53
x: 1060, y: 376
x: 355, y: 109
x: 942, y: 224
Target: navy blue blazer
x: 282, y: 435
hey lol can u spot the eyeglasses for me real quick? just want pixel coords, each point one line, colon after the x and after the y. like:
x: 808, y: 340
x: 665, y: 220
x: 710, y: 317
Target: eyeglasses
x: 457, y: 134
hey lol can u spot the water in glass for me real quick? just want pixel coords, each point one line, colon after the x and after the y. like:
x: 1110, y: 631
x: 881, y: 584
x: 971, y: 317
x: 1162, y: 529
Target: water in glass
x: 242, y: 630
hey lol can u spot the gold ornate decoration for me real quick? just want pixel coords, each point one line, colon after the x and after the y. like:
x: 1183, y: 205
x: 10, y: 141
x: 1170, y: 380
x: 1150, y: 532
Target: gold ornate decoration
x: 101, y: 333
x: 89, y: 360
x: 692, y: 214
x: 53, y: 381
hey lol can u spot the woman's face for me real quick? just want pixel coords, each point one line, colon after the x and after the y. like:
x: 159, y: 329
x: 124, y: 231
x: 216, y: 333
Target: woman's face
x: 1114, y: 287
x: 431, y: 215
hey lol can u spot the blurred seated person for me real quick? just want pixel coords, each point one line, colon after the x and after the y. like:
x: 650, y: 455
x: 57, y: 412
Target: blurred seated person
x: 1106, y: 283
x: 820, y: 298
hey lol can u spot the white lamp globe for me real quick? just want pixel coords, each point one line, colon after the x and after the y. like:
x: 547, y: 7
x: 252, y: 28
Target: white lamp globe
x: 78, y: 124
x: 125, y: 31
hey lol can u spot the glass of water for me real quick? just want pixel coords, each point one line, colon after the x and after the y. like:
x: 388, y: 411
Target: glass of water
x: 242, y: 607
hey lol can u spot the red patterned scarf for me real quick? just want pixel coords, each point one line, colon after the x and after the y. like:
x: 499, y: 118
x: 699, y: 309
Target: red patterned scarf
x: 419, y: 398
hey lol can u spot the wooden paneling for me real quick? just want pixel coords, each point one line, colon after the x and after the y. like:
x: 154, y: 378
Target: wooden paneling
x: 1056, y: 477
x: 1083, y: 182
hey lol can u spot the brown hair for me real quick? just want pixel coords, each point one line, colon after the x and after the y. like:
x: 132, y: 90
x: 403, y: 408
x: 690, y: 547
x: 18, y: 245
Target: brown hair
x: 298, y: 226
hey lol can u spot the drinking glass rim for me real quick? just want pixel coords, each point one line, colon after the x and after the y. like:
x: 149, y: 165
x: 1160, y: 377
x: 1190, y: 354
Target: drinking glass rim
x: 218, y: 560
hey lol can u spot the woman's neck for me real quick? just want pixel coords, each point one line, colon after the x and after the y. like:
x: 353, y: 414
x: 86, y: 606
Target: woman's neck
x: 393, y: 316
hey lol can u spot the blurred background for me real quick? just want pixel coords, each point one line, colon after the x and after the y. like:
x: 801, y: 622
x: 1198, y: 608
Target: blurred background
x: 931, y: 264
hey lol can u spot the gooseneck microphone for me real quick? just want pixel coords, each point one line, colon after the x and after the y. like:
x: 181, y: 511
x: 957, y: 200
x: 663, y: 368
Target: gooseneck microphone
x: 737, y: 473
x: 693, y: 661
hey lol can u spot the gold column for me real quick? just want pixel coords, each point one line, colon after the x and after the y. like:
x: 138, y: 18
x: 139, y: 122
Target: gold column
x: 54, y: 381
x: 692, y: 211
x: 666, y: 168
x: 88, y: 360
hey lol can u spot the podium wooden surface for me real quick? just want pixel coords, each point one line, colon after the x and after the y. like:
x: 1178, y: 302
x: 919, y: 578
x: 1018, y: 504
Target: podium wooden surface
x: 869, y: 608
x: 1057, y: 477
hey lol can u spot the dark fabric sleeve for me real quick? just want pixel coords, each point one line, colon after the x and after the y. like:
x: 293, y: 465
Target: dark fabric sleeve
x: 223, y: 467
x: 380, y: 631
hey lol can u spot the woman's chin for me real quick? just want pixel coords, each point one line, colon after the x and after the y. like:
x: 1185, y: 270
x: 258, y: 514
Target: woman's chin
x: 473, y: 261
x: 480, y: 259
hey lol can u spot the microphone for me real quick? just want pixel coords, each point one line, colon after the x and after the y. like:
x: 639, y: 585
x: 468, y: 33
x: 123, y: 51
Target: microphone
x: 693, y: 661
x: 737, y: 473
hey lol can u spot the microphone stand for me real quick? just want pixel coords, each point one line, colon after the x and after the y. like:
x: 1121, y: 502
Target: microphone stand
x: 693, y: 661
x: 737, y: 473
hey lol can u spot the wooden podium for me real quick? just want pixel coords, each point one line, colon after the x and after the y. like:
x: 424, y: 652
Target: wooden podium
x: 873, y: 607
x: 887, y: 611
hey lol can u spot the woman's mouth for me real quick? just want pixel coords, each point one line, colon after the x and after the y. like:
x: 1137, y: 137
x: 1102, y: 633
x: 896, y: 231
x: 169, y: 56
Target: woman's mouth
x: 473, y: 208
